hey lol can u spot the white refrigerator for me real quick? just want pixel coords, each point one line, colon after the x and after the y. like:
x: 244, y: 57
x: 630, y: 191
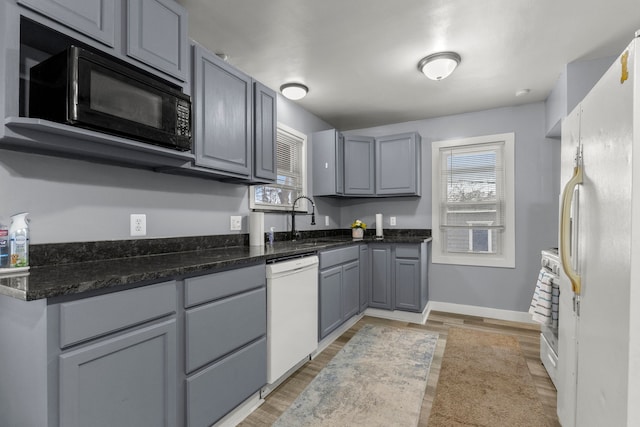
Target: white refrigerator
x: 599, y: 314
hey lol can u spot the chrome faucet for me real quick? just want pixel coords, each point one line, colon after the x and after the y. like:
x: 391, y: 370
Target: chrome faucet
x: 293, y: 215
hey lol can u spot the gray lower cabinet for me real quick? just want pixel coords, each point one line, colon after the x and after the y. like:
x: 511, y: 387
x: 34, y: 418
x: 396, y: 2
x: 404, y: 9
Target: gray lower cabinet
x: 117, y: 358
x: 225, y: 341
x: 411, y: 276
x: 399, y: 276
x: 157, y: 35
x: 359, y: 166
x: 338, y: 287
x: 398, y: 160
x: 96, y: 19
x: 328, y: 163
x: 129, y: 379
x: 381, y: 285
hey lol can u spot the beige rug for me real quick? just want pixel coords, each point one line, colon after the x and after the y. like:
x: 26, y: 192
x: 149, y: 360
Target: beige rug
x: 377, y: 379
x: 484, y: 381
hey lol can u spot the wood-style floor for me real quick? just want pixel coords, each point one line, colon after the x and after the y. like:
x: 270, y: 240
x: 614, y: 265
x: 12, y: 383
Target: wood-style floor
x: 528, y: 336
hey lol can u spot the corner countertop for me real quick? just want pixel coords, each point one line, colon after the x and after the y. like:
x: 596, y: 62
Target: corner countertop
x: 49, y: 281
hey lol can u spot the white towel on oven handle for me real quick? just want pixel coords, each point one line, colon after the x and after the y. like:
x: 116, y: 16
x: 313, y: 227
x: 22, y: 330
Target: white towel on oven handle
x: 542, y: 301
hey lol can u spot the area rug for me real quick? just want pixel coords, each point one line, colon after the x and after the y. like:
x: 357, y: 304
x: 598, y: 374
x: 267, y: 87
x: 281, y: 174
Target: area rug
x: 484, y: 381
x: 377, y: 379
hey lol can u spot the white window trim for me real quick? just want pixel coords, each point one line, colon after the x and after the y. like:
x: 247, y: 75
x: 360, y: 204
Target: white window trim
x: 301, y: 206
x: 507, y: 258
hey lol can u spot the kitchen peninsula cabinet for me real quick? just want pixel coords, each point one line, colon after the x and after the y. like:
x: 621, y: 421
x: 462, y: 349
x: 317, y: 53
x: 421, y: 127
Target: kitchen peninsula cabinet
x: 358, y: 166
x: 399, y: 276
x: 230, y: 135
x: 339, y: 288
x: 365, y: 273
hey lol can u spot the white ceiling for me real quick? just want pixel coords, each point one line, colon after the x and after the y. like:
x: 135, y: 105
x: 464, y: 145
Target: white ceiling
x: 359, y: 57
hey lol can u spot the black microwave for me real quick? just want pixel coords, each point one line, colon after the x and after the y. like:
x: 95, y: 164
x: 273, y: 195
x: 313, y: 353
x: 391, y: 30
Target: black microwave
x: 82, y: 88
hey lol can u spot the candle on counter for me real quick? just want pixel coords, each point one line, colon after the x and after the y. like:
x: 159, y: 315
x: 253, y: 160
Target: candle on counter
x: 378, y: 225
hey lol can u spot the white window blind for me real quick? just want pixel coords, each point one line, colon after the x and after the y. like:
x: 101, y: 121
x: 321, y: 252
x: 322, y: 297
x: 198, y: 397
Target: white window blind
x: 291, y: 174
x: 472, y: 198
x: 473, y: 207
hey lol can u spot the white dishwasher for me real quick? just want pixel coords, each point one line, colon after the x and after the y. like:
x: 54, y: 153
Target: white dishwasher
x: 292, y: 313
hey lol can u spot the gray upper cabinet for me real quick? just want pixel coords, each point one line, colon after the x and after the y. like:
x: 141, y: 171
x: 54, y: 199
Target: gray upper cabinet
x: 222, y: 122
x: 328, y: 163
x: 398, y: 160
x: 96, y: 19
x: 359, y: 166
x: 157, y: 35
x: 265, y: 167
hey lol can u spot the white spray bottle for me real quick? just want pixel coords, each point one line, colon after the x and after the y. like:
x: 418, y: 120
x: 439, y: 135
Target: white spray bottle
x: 19, y: 241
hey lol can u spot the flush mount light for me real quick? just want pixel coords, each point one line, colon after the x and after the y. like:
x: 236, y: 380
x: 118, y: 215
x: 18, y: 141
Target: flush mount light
x: 294, y: 91
x: 439, y: 65
x: 523, y: 92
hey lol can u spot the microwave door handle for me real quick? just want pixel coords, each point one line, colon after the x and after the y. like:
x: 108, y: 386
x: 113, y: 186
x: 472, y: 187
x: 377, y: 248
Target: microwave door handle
x: 565, y: 228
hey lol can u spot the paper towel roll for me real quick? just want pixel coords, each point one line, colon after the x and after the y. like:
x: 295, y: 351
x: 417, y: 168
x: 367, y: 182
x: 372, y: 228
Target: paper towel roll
x: 379, y: 225
x: 256, y: 229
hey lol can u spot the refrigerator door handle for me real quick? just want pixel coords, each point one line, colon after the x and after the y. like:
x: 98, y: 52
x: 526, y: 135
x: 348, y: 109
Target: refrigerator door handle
x: 565, y: 228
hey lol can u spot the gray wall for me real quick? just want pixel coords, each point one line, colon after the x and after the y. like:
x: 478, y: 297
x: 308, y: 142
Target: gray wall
x: 72, y: 200
x: 537, y: 190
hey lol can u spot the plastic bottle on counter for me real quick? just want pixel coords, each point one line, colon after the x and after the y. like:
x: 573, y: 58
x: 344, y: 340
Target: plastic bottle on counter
x: 19, y: 240
x: 272, y: 232
x: 4, y: 246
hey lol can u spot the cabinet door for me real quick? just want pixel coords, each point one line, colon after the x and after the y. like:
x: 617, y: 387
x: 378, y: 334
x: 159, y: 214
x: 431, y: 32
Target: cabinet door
x: 328, y: 163
x: 407, y: 281
x: 359, y: 164
x: 330, y: 310
x: 265, y: 124
x: 95, y: 19
x: 398, y: 165
x: 350, y: 289
x: 364, y: 277
x: 127, y: 380
x: 157, y: 35
x: 222, y: 120
x: 380, y: 295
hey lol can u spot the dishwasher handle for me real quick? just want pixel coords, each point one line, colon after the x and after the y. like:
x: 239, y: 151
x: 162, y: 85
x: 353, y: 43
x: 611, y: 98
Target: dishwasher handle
x: 280, y: 269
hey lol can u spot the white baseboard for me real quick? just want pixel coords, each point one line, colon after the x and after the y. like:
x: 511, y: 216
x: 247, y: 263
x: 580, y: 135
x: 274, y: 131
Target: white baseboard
x: 474, y: 310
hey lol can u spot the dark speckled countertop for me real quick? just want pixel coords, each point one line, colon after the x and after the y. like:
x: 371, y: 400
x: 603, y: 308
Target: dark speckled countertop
x: 65, y: 275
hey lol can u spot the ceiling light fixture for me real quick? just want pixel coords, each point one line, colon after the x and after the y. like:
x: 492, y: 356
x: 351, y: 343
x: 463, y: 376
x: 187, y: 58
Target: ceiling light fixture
x: 439, y: 65
x: 294, y: 91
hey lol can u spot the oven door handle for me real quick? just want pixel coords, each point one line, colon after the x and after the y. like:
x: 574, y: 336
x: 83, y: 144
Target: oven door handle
x: 565, y: 228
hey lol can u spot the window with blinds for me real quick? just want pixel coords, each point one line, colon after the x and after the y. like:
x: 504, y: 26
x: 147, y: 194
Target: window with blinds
x: 291, y: 167
x: 473, y: 204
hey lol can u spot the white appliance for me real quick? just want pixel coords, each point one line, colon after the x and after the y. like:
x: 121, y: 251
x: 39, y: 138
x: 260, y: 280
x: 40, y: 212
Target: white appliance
x: 599, y: 324
x: 550, y: 264
x: 292, y: 314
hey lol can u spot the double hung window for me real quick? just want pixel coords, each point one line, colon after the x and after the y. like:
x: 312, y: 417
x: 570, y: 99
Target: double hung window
x: 473, y: 201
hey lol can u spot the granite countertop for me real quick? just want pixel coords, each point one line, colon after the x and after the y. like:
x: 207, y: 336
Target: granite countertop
x: 70, y: 278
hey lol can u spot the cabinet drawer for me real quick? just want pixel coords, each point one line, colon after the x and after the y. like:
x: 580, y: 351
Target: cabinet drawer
x: 408, y: 251
x: 95, y: 316
x: 216, y: 329
x: 338, y: 256
x: 219, y: 285
x: 215, y: 391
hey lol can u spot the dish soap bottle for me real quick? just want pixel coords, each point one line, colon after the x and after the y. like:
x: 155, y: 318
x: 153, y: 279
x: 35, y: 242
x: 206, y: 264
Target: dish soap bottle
x: 19, y: 240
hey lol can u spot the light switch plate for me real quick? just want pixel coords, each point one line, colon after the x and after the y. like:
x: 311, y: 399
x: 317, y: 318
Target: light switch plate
x: 236, y: 223
x: 326, y: 220
x: 392, y: 220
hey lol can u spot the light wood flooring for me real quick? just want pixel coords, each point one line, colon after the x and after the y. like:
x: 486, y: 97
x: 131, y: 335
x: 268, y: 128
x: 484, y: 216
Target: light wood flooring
x: 528, y: 336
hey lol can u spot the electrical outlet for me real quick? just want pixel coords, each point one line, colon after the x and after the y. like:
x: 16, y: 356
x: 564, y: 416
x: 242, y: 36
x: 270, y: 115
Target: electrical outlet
x: 392, y: 220
x: 236, y: 223
x: 138, y: 225
x: 326, y: 220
